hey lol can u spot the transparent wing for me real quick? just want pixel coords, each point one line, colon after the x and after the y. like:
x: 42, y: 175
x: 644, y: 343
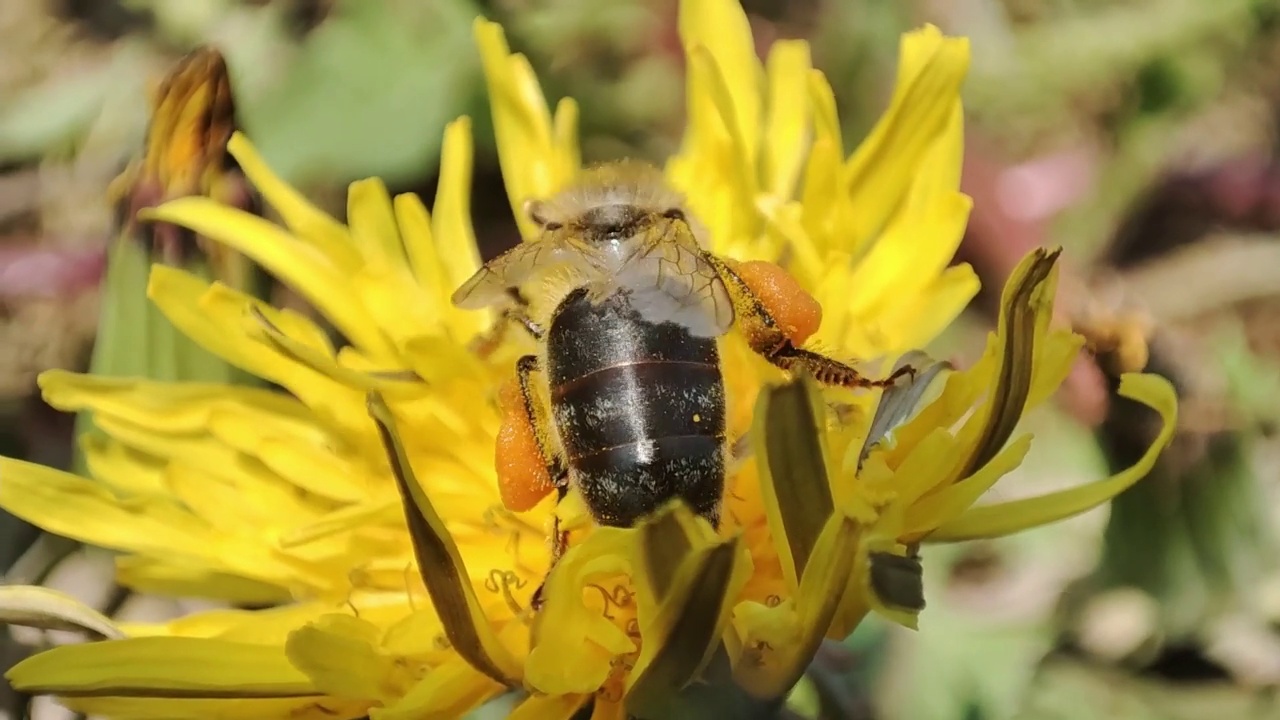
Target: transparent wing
x: 512, y: 269
x: 672, y: 280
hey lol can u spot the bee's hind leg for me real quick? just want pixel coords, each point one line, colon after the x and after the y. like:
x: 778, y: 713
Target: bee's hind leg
x: 829, y: 371
x: 763, y: 293
x: 557, y: 471
x: 559, y: 544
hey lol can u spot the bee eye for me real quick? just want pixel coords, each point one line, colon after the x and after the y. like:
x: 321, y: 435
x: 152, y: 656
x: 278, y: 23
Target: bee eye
x: 552, y: 226
x: 674, y: 214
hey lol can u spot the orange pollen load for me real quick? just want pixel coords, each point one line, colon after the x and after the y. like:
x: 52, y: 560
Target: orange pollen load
x: 795, y: 311
x: 523, y: 479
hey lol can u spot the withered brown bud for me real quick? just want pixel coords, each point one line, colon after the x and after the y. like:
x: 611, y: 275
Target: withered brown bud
x: 192, y: 119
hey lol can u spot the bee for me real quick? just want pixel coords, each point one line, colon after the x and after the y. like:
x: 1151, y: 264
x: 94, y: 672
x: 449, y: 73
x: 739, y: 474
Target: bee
x: 629, y: 358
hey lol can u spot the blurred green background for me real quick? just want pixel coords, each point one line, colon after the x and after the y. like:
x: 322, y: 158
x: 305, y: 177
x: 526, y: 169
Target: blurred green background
x: 1139, y: 134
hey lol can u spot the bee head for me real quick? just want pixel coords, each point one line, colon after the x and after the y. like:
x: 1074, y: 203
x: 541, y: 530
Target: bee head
x: 610, y: 203
x: 614, y: 223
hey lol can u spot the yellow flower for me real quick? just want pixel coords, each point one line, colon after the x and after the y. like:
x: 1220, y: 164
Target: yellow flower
x: 364, y: 502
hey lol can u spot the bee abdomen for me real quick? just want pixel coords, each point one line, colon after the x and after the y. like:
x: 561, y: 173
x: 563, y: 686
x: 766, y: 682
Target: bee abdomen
x: 624, y: 483
x: 639, y: 410
x: 644, y: 400
x: 639, y: 434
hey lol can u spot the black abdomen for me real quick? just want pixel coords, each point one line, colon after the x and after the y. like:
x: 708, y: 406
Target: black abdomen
x: 639, y: 409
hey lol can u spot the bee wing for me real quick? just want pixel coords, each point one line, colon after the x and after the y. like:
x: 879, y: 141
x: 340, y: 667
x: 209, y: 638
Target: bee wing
x: 512, y: 269
x: 672, y: 280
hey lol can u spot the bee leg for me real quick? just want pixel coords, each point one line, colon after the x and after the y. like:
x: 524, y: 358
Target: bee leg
x: 516, y: 314
x: 526, y: 366
x: 738, y: 451
x: 829, y: 371
x: 777, y: 315
x: 560, y: 543
x: 555, y: 467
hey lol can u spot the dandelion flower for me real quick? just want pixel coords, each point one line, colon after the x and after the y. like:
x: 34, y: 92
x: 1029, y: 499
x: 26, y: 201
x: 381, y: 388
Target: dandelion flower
x: 364, y: 505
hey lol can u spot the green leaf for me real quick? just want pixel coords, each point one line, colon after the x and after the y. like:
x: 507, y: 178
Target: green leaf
x: 369, y: 92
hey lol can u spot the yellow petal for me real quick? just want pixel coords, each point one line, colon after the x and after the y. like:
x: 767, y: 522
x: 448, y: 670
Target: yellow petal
x: 822, y: 195
x: 531, y: 167
x: 900, y: 404
x: 785, y: 222
x: 921, y: 320
x: 292, y: 261
x: 181, y: 579
x: 178, y: 407
x: 565, y: 133
x: 84, y: 510
x: 123, y: 468
x: 441, y: 566
x: 454, y: 239
x: 420, y: 247
x: 1005, y: 518
x: 448, y: 691
x: 573, y: 644
x: 346, y: 519
x: 931, y: 70
x: 372, y: 222
x: 265, y: 323
x: 34, y: 606
x: 719, y: 145
x: 721, y: 27
x: 948, y: 502
x: 920, y: 471
x: 179, y: 295
x: 921, y: 240
x: 303, y: 218
x: 418, y: 634
x: 456, y: 243
x: 786, y: 138
x: 770, y: 674
x: 1054, y: 362
x: 314, y: 468
x: 340, y: 655
x: 269, y: 626
x: 169, y: 667
x: 236, y: 507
